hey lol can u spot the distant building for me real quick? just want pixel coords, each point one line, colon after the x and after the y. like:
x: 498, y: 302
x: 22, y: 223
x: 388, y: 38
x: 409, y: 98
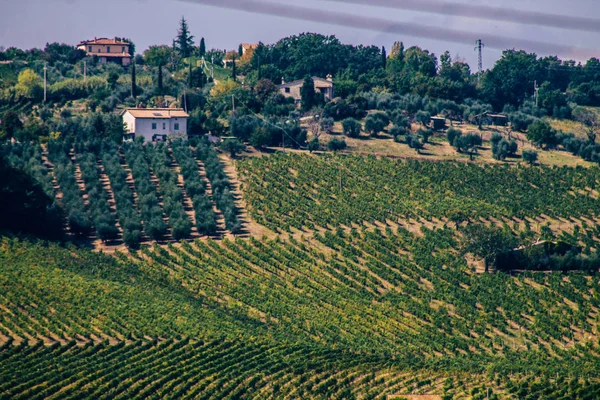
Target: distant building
x: 155, y: 124
x: 292, y: 89
x: 108, y: 50
x: 246, y: 47
x: 497, y: 119
x: 438, y: 123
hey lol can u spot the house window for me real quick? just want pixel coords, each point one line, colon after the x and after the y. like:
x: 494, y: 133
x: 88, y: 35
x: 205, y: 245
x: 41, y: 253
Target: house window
x: 123, y: 49
x: 176, y: 126
x: 89, y: 49
x: 287, y: 89
x: 108, y: 49
x: 154, y: 125
x: 164, y: 126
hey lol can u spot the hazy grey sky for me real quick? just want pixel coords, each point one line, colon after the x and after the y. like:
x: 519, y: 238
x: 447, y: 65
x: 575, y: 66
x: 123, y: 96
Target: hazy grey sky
x: 32, y: 23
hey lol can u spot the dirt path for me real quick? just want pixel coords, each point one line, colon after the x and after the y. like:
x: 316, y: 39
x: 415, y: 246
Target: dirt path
x: 221, y: 230
x: 249, y: 226
x: 188, y: 205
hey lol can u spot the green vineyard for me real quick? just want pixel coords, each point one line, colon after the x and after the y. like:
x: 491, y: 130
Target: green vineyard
x: 365, y: 289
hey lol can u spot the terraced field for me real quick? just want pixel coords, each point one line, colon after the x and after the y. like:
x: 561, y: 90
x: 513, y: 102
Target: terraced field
x: 365, y: 294
x: 114, y: 196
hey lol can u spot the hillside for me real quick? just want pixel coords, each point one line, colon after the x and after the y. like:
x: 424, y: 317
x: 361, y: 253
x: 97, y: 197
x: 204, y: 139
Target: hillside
x: 411, y: 230
x: 362, y: 289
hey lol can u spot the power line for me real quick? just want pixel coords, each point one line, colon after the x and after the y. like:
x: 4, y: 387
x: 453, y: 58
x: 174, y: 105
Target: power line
x: 487, y: 12
x: 393, y: 27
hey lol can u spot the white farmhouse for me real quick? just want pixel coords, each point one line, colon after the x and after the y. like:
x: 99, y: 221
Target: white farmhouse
x: 155, y: 124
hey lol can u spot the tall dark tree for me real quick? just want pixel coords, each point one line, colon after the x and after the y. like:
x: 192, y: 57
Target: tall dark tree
x: 11, y: 124
x: 184, y: 42
x: 202, y: 49
x: 133, y: 81
x: 158, y: 56
x: 383, y: 57
x: 159, y: 80
x: 240, y: 50
x: 307, y: 93
x: 233, y: 68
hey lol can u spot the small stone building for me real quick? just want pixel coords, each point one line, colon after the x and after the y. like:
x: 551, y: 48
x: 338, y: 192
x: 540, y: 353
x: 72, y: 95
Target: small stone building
x: 292, y: 89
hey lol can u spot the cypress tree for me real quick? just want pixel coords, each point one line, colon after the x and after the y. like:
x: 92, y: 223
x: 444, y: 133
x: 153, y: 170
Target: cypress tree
x: 202, y: 49
x: 233, y: 68
x: 308, y: 94
x: 159, y: 85
x: 383, y: 57
x: 133, y: 81
x: 184, y: 41
x: 240, y: 50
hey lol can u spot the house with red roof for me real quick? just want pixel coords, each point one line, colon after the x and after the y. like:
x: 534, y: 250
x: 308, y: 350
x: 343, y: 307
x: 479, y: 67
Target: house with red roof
x: 108, y: 50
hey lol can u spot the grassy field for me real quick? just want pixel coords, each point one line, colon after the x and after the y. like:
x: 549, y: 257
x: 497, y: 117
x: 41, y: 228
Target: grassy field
x: 440, y: 150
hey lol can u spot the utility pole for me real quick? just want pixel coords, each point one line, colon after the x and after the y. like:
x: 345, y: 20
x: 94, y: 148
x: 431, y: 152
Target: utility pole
x: 479, y: 49
x: 536, y: 90
x: 45, y: 80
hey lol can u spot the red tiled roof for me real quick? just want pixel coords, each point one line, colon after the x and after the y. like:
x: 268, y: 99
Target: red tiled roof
x: 105, y: 41
x: 162, y: 113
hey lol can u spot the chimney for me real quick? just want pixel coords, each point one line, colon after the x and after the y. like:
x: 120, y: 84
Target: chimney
x: 330, y: 78
x: 282, y: 80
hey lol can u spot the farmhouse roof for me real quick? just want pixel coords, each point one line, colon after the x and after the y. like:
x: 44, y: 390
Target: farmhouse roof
x: 157, y: 113
x: 105, y: 41
x: 298, y: 82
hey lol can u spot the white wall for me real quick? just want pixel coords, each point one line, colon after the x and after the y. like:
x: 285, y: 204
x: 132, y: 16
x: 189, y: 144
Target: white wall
x: 164, y: 126
x: 129, y: 121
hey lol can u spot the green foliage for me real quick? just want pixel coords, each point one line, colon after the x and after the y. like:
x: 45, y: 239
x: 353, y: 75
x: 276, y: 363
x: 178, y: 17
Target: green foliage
x: 29, y: 85
x: 415, y: 188
x: 202, y: 48
x: 486, y: 242
x: 541, y: 133
x: 425, y: 134
x: 25, y: 207
x: 351, y: 127
x: 530, y: 156
x: 396, y: 131
x: 326, y: 124
x: 308, y: 94
x: 243, y: 126
x: 502, y: 148
x: 452, y: 134
x: 336, y: 144
x: 376, y: 123
x: 467, y: 144
x: 11, y: 124
x: 423, y: 117
x: 232, y: 146
x: 221, y: 187
x: 313, y: 145
x: 415, y: 142
x: 184, y: 41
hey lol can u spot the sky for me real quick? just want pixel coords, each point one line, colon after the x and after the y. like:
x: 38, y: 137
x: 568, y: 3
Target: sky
x: 33, y: 23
